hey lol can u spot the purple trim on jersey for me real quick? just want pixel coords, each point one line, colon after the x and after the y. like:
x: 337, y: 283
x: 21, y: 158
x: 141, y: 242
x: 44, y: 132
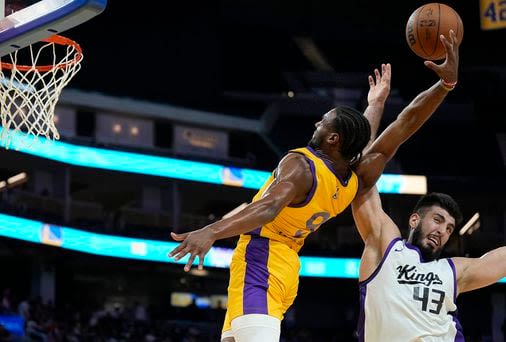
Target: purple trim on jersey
x: 255, y: 231
x: 256, y: 277
x: 361, y: 318
x: 313, y: 187
x: 343, y: 182
x: 454, y: 271
x: 362, y: 288
x: 459, y: 336
x: 416, y: 249
x: 390, y: 245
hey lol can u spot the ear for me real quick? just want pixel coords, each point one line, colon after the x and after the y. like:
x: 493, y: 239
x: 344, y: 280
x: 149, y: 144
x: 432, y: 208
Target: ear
x: 414, y: 219
x: 334, y: 139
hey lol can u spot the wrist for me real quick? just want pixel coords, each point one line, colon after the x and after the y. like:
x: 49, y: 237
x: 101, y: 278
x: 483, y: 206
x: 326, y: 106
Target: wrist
x: 212, y: 232
x: 448, y: 86
x: 376, y: 104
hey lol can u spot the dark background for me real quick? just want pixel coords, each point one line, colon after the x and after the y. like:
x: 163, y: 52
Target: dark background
x: 194, y: 52
x: 242, y: 57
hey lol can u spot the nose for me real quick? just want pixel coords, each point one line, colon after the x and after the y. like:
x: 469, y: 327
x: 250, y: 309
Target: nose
x: 317, y: 124
x: 441, y: 229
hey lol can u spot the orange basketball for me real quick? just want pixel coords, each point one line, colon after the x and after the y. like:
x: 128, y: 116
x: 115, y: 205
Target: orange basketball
x: 426, y: 24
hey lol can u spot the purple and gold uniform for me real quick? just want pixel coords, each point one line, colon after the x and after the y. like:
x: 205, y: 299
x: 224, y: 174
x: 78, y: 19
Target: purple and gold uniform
x: 264, y: 272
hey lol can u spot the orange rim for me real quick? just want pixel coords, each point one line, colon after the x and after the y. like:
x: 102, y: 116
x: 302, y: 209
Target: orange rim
x: 56, y: 39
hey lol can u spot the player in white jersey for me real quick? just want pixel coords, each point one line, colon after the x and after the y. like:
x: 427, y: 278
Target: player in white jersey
x: 406, y: 292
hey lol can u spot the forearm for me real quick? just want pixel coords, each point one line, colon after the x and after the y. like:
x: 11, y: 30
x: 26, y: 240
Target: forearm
x: 494, y: 265
x: 480, y: 272
x: 253, y: 216
x: 421, y: 108
x: 373, y: 114
x: 408, y: 121
x: 366, y: 209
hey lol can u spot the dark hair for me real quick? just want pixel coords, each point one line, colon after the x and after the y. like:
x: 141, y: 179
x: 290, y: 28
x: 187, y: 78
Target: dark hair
x: 354, y: 129
x: 442, y: 200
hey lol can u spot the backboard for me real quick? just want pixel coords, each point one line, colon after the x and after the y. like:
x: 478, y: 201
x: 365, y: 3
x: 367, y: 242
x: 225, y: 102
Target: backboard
x: 28, y: 21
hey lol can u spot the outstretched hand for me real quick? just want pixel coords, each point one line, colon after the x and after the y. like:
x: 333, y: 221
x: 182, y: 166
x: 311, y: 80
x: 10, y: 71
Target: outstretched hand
x: 448, y: 71
x: 379, y: 85
x: 196, y: 243
x: 379, y: 89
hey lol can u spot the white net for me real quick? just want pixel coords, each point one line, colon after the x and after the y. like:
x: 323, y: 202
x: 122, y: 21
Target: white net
x: 31, y: 81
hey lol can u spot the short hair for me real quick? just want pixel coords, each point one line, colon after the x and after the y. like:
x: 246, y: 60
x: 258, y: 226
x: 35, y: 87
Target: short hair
x: 354, y: 130
x: 442, y: 200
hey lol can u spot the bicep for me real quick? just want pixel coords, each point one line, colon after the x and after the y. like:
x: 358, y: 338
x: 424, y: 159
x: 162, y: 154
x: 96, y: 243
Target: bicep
x: 475, y: 273
x: 292, y: 182
x: 376, y: 229
x: 372, y: 222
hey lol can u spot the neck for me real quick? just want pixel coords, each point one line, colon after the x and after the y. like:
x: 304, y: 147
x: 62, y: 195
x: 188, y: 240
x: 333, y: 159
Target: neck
x: 335, y: 159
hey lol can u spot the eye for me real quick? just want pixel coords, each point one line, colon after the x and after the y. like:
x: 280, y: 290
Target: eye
x: 449, y: 230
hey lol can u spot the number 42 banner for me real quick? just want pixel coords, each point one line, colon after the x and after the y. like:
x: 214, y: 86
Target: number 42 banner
x: 492, y: 14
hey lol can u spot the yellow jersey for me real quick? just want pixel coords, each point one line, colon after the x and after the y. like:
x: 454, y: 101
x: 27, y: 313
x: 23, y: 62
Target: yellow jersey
x: 329, y: 196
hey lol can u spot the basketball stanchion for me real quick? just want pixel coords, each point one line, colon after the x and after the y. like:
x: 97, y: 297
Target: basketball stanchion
x: 31, y: 81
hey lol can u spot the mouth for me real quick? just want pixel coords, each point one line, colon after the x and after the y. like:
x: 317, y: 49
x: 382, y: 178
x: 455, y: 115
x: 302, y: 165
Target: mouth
x: 433, y: 240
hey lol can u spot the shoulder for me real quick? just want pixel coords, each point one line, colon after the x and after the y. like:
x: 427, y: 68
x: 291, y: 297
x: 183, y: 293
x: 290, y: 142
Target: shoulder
x: 294, y: 166
x: 294, y: 160
x: 459, y: 264
x: 369, y: 169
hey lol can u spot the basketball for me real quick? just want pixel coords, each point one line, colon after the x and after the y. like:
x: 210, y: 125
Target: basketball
x: 426, y: 24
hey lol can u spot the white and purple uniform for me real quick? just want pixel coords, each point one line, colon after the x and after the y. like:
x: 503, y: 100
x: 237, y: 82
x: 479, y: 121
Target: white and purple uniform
x: 407, y: 299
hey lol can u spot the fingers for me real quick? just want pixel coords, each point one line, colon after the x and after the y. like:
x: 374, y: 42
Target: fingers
x: 449, y: 43
x: 381, y: 77
x: 453, y: 37
x: 431, y: 65
x: 179, y: 252
x: 376, y: 79
x: 386, y: 70
x: 371, y: 81
x: 201, y: 261
x: 178, y: 237
x: 176, y: 250
x: 188, y: 265
x: 377, y: 75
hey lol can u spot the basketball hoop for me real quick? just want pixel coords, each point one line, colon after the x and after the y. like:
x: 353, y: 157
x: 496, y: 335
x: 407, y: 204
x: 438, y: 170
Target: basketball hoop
x: 31, y: 81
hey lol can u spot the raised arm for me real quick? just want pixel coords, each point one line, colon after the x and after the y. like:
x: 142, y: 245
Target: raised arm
x: 411, y: 118
x: 379, y: 89
x: 293, y: 181
x: 475, y: 273
x: 375, y: 227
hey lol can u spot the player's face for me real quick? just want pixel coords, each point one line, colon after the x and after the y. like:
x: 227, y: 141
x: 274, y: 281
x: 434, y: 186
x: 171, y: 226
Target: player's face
x: 323, y: 128
x: 432, y: 232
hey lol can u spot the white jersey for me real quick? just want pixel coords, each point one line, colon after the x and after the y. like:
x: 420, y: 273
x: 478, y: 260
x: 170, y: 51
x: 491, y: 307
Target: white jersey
x: 407, y: 299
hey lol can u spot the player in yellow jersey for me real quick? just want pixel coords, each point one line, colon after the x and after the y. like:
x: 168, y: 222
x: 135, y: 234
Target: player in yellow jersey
x: 309, y: 186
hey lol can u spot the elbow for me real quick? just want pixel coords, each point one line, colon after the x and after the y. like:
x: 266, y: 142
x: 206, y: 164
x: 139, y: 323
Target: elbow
x: 269, y: 210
